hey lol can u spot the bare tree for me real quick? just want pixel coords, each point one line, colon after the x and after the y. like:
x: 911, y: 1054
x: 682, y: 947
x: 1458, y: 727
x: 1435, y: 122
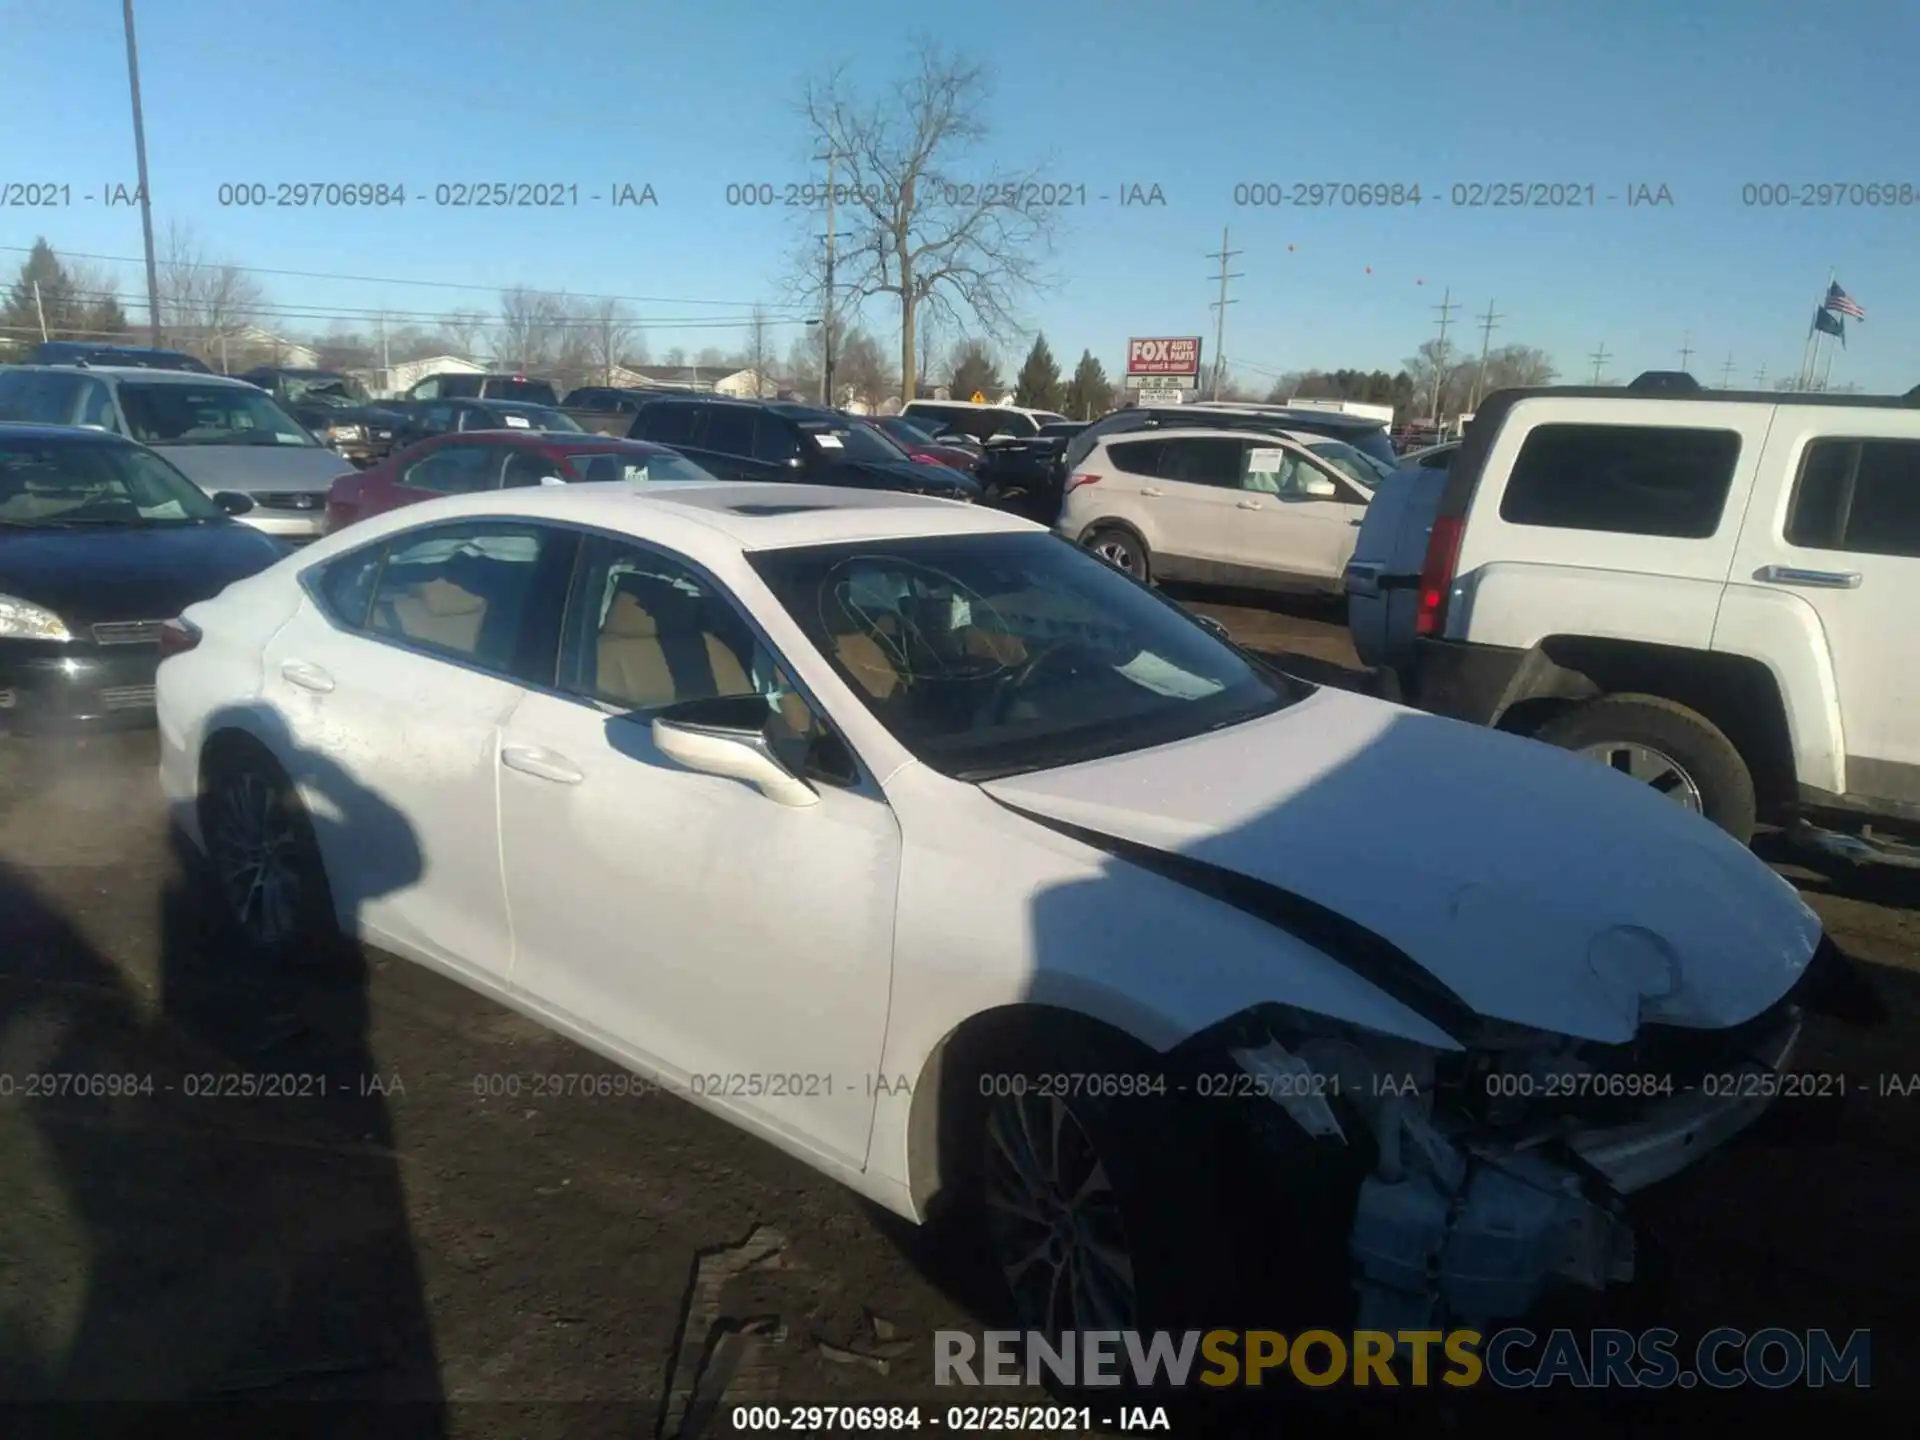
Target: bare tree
x: 860, y: 371
x: 914, y: 227
x: 609, y: 329
x: 463, y: 332
x: 758, y: 353
x: 529, y: 334
x: 203, y: 300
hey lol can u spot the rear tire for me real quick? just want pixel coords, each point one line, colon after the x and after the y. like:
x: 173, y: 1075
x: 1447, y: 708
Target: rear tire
x: 1122, y: 549
x: 1677, y: 750
x: 263, y: 861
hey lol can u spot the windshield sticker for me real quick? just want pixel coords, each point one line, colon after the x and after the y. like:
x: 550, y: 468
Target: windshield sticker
x: 827, y: 442
x: 1266, y: 462
x: 518, y: 422
x: 1150, y: 672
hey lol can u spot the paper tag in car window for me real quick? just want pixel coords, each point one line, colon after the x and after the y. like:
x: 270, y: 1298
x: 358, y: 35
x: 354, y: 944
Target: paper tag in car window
x: 1150, y: 672
x: 1265, y: 462
x: 636, y: 473
x: 518, y: 422
x: 828, y: 442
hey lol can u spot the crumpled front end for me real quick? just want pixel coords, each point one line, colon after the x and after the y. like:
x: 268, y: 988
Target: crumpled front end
x: 1490, y: 1174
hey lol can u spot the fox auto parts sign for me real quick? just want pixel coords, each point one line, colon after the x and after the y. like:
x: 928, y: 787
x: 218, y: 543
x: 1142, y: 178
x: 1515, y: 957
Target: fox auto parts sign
x: 1176, y: 357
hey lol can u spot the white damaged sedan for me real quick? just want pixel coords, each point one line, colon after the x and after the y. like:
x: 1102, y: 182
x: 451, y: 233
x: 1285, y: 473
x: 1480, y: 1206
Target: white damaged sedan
x: 951, y: 860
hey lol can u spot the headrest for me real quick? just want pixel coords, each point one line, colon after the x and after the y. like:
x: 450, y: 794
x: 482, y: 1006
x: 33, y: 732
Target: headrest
x: 443, y: 597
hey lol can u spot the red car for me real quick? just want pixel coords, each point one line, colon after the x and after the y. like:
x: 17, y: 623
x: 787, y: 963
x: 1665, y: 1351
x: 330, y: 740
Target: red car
x: 470, y: 460
x: 921, y: 446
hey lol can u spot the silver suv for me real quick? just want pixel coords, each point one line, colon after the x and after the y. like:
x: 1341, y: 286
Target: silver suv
x: 223, y: 434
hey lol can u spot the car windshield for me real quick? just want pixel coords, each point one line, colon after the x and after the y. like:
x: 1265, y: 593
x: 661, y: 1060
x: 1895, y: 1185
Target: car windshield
x: 537, y: 417
x: 53, y: 484
x: 913, y: 432
x: 989, y: 655
x: 1357, y: 465
x: 852, y: 441
x: 637, y: 468
x: 195, y: 414
x: 324, y: 390
x: 534, y: 392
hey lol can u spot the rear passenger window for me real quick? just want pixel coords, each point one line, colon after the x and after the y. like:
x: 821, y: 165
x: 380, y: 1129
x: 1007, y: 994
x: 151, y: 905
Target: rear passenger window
x: 668, y: 424
x: 1859, y: 496
x: 1137, y: 457
x: 774, y: 440
x: 345, y: 585
x: 466, y: 592
x: 729, y: 430
x: 1622, y: 480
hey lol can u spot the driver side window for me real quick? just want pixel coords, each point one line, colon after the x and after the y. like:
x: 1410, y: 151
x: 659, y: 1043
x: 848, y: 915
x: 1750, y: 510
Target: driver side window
x: 645, y: 631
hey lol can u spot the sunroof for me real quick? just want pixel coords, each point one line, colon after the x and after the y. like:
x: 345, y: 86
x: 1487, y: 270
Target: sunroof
x: 775, y: 509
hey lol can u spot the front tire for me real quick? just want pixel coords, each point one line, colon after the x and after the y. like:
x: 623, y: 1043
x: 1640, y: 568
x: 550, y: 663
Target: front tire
x: 1123, y: 550
x: 1676, y: 750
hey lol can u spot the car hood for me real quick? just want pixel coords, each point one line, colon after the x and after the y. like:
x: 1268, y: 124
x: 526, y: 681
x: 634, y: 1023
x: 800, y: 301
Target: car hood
x: 255, y: 468
x: 911, y: 475
x: 131, y: 573
x: 350, y: 415
x: 1539, y: 887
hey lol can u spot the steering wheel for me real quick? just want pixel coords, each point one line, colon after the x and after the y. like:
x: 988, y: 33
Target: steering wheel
x: 1017, y: 679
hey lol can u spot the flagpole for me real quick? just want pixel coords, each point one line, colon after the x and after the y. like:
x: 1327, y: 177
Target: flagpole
x: 1807, y: 351
x: 1829, y: 368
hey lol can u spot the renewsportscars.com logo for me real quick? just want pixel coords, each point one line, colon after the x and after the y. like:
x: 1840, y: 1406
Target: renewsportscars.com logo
x: 1723, y: 1359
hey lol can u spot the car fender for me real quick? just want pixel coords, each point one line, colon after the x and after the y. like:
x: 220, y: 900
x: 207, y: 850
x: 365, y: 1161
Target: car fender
x: 1783, y: 632
x: 996, y: 911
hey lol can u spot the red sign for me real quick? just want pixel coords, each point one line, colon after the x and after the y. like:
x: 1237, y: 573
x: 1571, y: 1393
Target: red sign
x: 1176, y: 356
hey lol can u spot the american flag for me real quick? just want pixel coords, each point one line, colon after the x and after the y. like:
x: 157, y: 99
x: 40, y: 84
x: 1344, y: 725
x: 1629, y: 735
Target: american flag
x: 1841, y: 303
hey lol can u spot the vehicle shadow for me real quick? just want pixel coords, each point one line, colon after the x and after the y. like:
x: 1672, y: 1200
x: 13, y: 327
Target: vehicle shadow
x: 1806, y: 1254
x: 203, y: 1200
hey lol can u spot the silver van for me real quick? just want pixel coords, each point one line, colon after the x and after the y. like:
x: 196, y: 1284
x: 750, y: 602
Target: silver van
x: 223, y: 434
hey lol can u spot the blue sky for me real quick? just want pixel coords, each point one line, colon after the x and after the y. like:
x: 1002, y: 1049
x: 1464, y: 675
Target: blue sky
x: 1701, y: 98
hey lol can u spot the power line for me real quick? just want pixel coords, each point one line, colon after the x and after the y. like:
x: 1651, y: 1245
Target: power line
x: 1223, y: 254
x: 368, y: 279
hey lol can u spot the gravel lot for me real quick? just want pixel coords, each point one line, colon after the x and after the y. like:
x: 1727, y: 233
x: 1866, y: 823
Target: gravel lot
x: 528, y: 1267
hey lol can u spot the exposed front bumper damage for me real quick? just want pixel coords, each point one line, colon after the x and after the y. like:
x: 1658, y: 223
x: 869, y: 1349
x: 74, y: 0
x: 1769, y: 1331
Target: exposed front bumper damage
x: 1465, y: 1221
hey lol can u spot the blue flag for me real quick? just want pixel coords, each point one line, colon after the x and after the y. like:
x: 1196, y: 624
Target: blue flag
x: 1828, y: 323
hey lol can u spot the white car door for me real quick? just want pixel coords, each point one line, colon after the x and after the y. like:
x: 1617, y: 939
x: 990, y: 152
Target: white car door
x: 401, y: 686
x: 705, y: 933
x: 1841, y: 531
x: 1292, y: 516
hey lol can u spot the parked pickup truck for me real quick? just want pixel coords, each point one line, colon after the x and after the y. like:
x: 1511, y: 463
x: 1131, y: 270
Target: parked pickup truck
x: 1711, y: 592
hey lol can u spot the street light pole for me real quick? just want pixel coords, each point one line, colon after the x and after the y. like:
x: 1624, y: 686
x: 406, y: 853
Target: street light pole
x: 140, y: 158
x: 826, y: 314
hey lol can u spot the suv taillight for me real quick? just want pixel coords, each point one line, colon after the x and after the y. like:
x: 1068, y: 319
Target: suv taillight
x: 923, y: 458
x: 177, y: 637
x: 1436, y: 574
x: 1076, y: 481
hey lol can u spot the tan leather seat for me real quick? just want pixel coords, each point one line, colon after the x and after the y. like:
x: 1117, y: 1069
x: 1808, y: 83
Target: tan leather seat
x: 652, y: 652
x: 868, y: 663
x: 442, y: 613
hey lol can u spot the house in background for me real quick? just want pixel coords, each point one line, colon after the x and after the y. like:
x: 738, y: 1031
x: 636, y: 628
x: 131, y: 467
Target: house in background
x: 231, y: 349
x: 707, y: 380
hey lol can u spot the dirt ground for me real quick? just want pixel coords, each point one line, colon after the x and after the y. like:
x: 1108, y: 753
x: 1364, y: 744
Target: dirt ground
x: 498, y: 1266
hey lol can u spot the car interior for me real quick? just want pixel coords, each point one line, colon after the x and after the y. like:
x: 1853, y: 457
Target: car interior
x: 657, y: 646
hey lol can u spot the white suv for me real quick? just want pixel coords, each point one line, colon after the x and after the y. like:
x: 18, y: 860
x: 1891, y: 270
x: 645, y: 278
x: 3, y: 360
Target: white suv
x: 1713, y: 592
x: 981, y: 422
x: 1265, y: 509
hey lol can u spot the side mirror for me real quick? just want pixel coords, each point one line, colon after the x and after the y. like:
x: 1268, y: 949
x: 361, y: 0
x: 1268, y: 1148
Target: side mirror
x: 728, y: 737
x: 551, y: 480
x: 233, y: 502
x: 1319, y: 487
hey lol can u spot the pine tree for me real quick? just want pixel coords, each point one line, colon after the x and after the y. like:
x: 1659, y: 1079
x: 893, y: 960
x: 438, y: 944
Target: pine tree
x: 1038, y: 387
x: 1089, y: 394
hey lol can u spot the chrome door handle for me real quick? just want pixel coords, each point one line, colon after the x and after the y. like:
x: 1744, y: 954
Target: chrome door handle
x: 1151, y: 493
x: 1817, y: 579
x: 541, y: 764
x: 307, y: 677
x: 1248, y: 505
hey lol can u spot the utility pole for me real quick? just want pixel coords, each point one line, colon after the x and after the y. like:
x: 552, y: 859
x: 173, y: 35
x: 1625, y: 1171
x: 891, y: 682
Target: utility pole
x: 1686, y: 350
x: 1726, y: 372
x: 1488, y: 323
x: 40, y: 310
x: 1599, y: 358
x: 826, y: 314
x: 1446, y: 307
x: 140, y: 158
x: 386, y: 359
x: 1760, y: 378
x: 1223, y: 255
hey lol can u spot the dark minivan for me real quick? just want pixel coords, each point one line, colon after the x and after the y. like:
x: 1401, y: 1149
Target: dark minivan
x: 777, y: 440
